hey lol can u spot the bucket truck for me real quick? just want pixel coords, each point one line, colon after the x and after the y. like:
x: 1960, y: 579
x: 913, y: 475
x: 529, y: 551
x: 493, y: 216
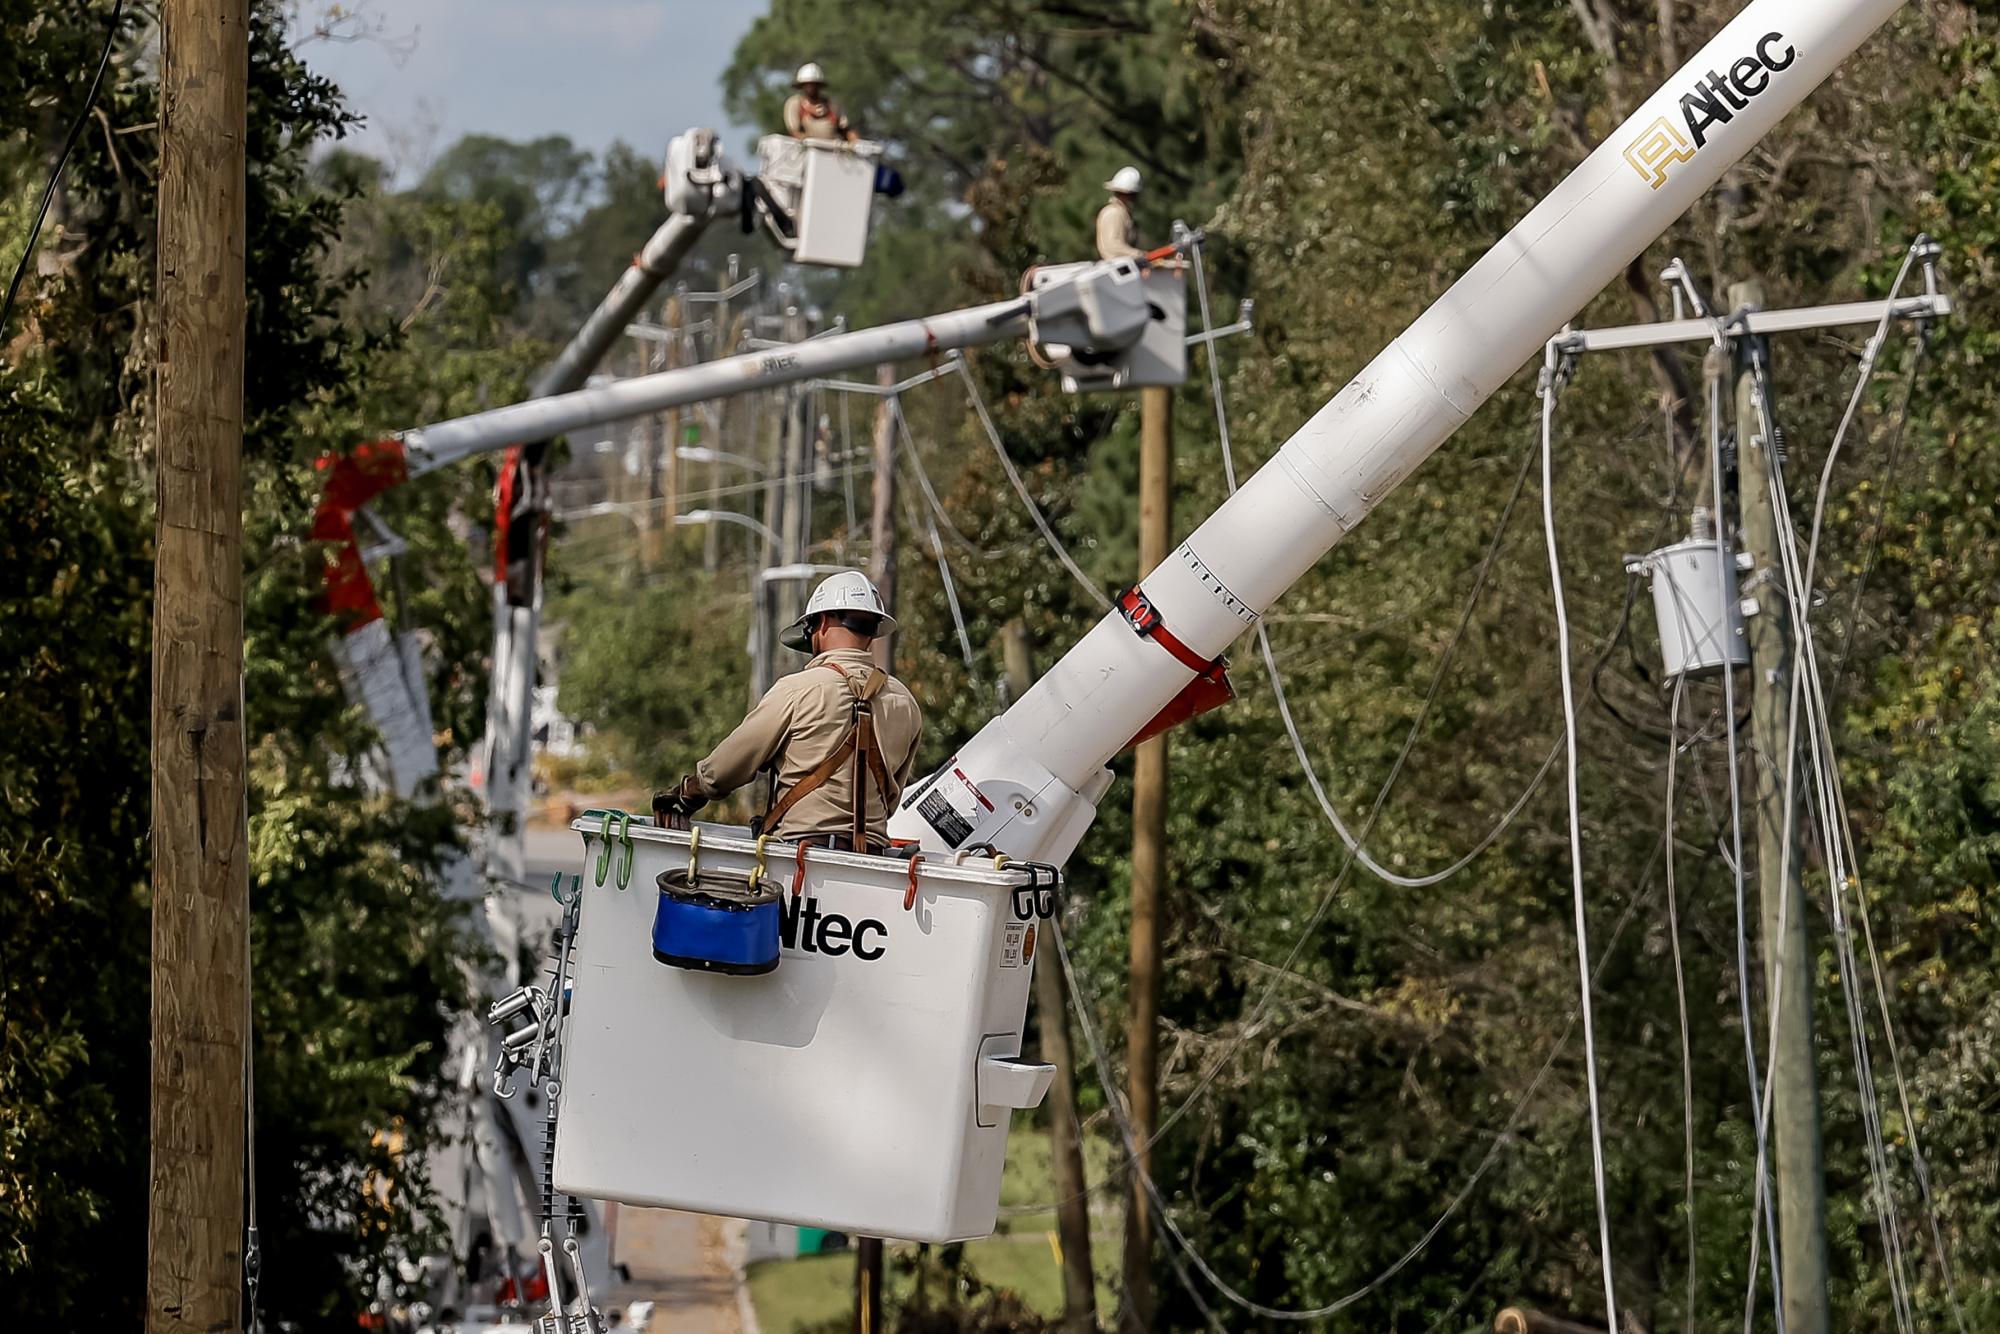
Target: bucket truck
x: 800, y: 1095
x: 1108, y: 324
x: 867, y: 1082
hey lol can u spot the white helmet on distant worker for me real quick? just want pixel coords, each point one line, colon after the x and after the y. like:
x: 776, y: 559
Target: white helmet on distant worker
x: 810, y: 72
x: 848, y: 591
x: 1124, y: 182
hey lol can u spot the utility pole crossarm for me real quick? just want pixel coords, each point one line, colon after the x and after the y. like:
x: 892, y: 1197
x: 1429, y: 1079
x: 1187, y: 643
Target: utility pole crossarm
x: 1619, y: 338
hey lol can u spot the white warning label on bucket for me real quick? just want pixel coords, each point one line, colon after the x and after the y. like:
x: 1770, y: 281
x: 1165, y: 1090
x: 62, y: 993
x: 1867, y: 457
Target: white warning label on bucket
x: 953, y: 806
x: 1015, y: 948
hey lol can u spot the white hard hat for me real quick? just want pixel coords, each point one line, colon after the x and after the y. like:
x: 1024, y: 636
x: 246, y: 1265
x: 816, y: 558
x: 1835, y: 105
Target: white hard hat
x: 850, y: 590
x: 810, y: 72
x: 1124, y: 182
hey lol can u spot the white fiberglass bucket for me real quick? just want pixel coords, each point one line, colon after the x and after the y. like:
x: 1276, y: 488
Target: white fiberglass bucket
x: 828, y: 188
x: 863, y: 1086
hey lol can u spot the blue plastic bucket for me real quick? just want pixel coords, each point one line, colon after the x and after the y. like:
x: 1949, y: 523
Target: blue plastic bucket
x: 714, y: 929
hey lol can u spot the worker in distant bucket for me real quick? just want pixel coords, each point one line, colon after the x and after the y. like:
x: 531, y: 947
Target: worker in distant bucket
x: 840, y: 737
x: 1117, y: 231
x: 810, y: 113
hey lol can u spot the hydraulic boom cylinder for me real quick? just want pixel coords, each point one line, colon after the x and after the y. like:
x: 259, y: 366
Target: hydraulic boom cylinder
x: 1049, y: 749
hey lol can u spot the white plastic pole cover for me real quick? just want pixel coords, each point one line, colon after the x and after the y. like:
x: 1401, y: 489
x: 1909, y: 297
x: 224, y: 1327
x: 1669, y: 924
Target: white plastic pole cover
x: 1419, y: 391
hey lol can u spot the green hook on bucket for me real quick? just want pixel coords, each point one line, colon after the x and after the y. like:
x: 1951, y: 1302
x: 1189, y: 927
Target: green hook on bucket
x: 623, y: 821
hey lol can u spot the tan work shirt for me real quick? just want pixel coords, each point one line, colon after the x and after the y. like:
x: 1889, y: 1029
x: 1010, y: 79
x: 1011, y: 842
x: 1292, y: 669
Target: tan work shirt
x: 802, y: 720
x: 1117, y: 234
x: 814, y: 120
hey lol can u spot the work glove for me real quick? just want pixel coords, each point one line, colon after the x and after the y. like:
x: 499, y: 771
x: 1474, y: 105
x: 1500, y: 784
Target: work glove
x: 672, y: 807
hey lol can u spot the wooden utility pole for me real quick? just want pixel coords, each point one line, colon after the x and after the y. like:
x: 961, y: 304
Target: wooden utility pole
x: 663, y: 451
x: 640, y: 482
x: 1776, y: 786
x: 882, y: 522
x: 1149, y: 867
x: 867, y: 1285
x: 1067, y: 1175
x: 201, y: 883
x: 730, y: 414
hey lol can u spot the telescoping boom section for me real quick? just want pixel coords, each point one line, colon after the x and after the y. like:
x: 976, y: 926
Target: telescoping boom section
x: 1027, y: 783
x: 1102, y: 306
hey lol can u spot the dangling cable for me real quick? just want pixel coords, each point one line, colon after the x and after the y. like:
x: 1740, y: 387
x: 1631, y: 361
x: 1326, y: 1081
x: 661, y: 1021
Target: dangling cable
x: 1843, y: 863
x: 1021, y: 489
x: 1299, y: 751
x: 1445, y: 660
x: 1680, y: 994
x: 1214, y: 366
x: 1549, y: 393
x: 1115, y: 1102
x: 253, y: 1245
x: 937, y: 547
x: 1081, y: 1003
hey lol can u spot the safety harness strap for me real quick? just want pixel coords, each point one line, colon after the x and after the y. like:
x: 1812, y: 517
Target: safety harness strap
x: 860, y: 745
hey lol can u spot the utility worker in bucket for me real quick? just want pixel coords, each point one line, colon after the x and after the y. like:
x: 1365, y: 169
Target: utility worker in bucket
x: 1117, y: 232
x: 840, y: 737
x: 810, y: 113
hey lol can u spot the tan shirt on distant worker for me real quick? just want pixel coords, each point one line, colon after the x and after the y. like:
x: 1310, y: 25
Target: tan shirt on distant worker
x: 802, y: 720
x: 1117, y: 233
x: 816, y: 118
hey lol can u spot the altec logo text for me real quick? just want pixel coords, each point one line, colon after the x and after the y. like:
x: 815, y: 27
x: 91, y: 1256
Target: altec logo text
x: 1715, y: 101
x: 802, y: 926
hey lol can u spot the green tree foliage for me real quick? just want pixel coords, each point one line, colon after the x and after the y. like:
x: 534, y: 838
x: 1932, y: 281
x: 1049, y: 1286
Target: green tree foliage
x: 658, y: 668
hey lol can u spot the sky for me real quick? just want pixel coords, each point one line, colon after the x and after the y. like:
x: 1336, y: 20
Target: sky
x: 425, y: 72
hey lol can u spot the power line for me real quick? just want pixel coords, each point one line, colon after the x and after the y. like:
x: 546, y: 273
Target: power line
x: 913, y: 509
x: 1055, y: 545
x: 1680, y: 994
x: 1890, y: 472
x: 1843, y: 861
x: 1826, y: 798
x: 1355, y: 844
x: 62, y: 161
x: 1725, y: 596
x: 1550, y: 390
x: 1445, y: 661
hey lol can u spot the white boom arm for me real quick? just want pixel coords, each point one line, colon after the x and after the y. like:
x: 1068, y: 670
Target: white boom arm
x: 1029, y: 781
x: 1103, y: 306
x: 700, y: 186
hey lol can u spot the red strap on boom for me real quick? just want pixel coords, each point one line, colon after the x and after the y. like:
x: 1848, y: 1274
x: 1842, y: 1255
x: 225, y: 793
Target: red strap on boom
x: 1210, y: 688
x: 1145, y: 618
